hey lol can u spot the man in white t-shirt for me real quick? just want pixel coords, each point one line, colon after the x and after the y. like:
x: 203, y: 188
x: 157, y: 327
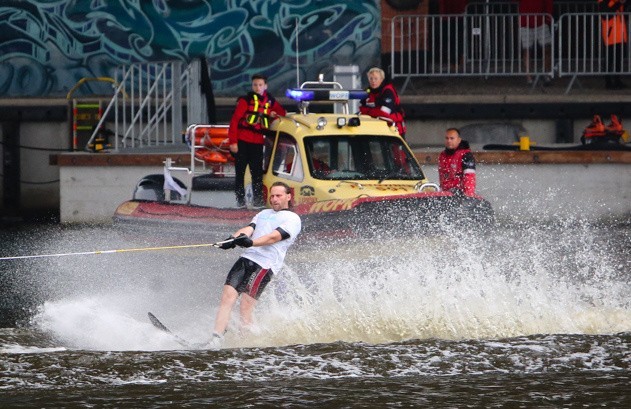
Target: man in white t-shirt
x: 266, y: 239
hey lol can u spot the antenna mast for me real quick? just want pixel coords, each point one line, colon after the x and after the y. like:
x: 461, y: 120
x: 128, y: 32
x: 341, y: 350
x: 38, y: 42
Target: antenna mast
x: 297, y: 55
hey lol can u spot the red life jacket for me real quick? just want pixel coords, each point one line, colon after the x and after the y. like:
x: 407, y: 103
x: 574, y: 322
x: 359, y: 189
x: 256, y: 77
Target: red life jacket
x: 376, y: 105
x: 456, y: 169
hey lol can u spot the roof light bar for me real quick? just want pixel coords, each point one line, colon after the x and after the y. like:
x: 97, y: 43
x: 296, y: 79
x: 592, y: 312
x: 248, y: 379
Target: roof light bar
x: 303, y: 94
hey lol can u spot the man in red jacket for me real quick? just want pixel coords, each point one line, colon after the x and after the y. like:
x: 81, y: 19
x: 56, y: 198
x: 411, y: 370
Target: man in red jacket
x: 252, y: 117
x: 456, y: 165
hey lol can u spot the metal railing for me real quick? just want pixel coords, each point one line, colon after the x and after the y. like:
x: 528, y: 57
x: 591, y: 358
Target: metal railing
x: 581, y: 50
x: 147, y: 105
x: 463, y: 45
x: 490, y: 45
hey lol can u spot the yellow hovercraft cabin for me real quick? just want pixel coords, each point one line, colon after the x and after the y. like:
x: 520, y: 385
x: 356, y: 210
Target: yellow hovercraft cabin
x: 348, y: 172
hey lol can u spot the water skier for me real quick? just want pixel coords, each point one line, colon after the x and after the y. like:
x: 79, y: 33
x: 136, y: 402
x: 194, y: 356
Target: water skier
x: 266, y: 239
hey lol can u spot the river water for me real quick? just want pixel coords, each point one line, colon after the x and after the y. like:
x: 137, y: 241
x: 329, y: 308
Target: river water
x: 528, y: 315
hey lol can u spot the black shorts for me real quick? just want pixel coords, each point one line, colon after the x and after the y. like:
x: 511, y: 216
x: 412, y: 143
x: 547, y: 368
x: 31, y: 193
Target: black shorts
x: 248, y: 277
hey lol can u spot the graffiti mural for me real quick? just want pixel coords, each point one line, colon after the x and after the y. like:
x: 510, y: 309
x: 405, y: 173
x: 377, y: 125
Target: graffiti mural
x: 46, y: 46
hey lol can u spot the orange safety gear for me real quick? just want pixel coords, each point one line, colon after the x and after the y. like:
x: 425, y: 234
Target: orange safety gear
x: 595, y: 129
x: 614, y: 29
x: 614, y: 129
x: 213, y: 157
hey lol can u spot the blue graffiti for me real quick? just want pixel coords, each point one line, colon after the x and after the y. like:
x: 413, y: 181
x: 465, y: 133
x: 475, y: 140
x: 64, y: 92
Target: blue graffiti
x: 46, y: 46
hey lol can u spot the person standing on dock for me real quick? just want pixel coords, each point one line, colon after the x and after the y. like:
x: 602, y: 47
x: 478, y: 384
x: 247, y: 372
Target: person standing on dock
x: 535, y: 30
x: 456, y: 165
x: 615, y: 37
x: 253, y: 115
x: 266, y: 239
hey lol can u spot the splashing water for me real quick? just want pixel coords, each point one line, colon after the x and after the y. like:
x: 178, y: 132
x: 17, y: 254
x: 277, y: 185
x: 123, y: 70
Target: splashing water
x: 517, y: 282
x: 520, y: 280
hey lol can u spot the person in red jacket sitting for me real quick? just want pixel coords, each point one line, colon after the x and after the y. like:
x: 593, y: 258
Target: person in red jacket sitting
x: 252, y: 117
x: 456, y: 165
x: 383, y: 100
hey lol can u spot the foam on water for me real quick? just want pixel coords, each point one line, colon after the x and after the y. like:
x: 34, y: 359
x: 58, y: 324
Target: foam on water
x: 19, y: 349
x: 516, y: 282
x: 100, y: 323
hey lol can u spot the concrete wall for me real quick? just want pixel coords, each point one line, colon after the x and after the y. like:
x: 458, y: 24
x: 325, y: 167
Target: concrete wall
x: 536, y: 192
x: 432, y: 132
x: 42, y: 189
x: 550, y: 192
x: 542, y: 132
x: 39, y: 181
x: 91, y: 194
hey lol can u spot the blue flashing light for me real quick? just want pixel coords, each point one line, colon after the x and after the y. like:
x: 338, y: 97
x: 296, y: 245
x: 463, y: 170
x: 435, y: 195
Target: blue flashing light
x: 300, y: 94
x: 303, y: 94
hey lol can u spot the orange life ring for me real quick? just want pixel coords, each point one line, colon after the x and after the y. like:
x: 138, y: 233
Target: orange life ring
x: 212, y: 156
x: 211, y: 136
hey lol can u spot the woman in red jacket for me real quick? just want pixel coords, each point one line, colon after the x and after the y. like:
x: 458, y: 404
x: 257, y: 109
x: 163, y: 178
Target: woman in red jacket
x: 383, y: 100
x: 456, y: 165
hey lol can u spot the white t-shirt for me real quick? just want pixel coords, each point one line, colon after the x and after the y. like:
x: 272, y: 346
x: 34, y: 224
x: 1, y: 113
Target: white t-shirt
x: 273, y: 255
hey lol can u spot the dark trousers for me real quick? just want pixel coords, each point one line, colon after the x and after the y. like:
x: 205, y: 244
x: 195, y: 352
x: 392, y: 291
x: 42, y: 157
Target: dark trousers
x: 249, y: 154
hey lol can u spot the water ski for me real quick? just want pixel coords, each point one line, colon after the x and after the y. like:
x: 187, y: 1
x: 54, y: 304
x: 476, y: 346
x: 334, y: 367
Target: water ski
x: 158, y: 324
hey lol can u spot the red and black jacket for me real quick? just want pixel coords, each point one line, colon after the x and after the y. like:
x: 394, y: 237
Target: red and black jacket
x: 384, y: 102
x: 456, y: 169
x: 252, y: 116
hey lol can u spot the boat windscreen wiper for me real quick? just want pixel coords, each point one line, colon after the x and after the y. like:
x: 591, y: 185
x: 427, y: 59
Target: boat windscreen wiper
x: 391, y: 174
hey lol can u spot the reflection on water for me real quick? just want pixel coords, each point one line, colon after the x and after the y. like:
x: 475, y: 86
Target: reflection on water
x: 443, y: 314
